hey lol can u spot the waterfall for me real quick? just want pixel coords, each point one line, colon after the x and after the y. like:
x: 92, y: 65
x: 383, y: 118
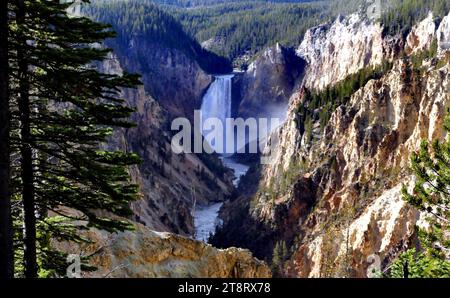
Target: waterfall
x: 217, y: 104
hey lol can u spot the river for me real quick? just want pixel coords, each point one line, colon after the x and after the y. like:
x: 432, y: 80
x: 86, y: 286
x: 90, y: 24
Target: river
x: 216, y: 103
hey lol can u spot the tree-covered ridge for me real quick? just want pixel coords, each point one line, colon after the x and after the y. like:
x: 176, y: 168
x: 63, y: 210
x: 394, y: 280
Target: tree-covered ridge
x: 197, y: 3
x: 144, y: 20
x: 402, y: 15
x: 236, y: 28
x: 248, y: 27
x: 319, y: 106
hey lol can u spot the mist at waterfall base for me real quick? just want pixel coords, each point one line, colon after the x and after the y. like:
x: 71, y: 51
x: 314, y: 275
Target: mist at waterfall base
x: 228, y: 140
x: 217, y: 103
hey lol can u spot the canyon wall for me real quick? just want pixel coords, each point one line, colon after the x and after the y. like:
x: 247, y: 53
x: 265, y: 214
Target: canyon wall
x: 335, y: 50
x: 268, y: 83
x: 335, y: 198
x: 143, y: 253
x: 174, y: 79
x: 170, y: 184
x: 359, y: 166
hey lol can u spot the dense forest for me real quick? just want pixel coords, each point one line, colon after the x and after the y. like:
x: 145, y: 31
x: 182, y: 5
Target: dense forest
x: 242, y: 27
x: 246, y: 27
x: 401, y: 15
x: 233, y: 29
x: 147, y: 21
x: 236, y: 28
x: 196, y: 3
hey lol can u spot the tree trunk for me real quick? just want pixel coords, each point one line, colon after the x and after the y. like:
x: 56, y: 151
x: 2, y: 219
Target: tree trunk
x: 6, y: 238
x: 26, y: 153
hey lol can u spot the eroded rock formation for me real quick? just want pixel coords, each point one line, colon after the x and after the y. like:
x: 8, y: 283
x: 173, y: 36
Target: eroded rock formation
x: 144, y: 253
x: 335, y: 199
x: 169, y: 183
x: 268, y: 83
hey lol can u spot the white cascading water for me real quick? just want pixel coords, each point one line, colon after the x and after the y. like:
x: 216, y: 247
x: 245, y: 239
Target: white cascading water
x: 217, y: 104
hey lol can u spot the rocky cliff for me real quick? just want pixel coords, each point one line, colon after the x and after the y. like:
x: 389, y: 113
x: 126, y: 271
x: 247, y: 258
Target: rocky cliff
x: 174, y: 79
x: 335, y: 50
x: 268, y: 83
x: 144, y: 253
x: 169, y: 184
x: 334, y: 199
x: 358, y: 168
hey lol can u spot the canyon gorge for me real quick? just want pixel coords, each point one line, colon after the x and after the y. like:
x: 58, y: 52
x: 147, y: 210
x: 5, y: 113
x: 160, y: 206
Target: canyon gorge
x: 331, y: 191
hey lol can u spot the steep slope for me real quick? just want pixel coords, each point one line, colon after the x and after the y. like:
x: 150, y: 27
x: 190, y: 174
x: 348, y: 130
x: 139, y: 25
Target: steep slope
x: 334, y: 198
x: 169, y: 183
x: 359, y: 178
x: 335, y: 50
x: 268, y: 83
x: 143, y: 253
x: 173, y: 66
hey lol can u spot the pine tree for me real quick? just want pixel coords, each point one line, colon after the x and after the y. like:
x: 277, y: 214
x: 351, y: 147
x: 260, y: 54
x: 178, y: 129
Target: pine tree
x: 276, y: 258
x: 6, y: 242
x: 431, y: 194
x: 28, y: 196
x: 67, y: 111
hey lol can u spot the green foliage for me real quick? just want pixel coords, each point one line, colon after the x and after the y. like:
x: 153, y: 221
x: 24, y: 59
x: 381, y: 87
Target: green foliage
x: 431, y: 194
x: 153, y: 26
x: 290, y: 175
x: 404, y: 14
x: 319, y: 106
x: 279, y: 256
x: 248, y: 27
x: 418, y: 58
x: 73, y: 110
x: 196, y: 3
x: 413, y: 264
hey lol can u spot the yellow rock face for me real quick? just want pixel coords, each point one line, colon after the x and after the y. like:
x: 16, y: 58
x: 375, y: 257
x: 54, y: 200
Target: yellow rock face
x: 145, y: 253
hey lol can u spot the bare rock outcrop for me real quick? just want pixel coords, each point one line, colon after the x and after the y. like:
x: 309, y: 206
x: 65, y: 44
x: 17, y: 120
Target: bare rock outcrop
x: 421, y: 35
x: 143, y: 253
x: 361, y: 160
x: 268, y: 83
x: 443, y: 35
x: 342, y: 186
x: 169, y: 183
x: 335, y: 50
